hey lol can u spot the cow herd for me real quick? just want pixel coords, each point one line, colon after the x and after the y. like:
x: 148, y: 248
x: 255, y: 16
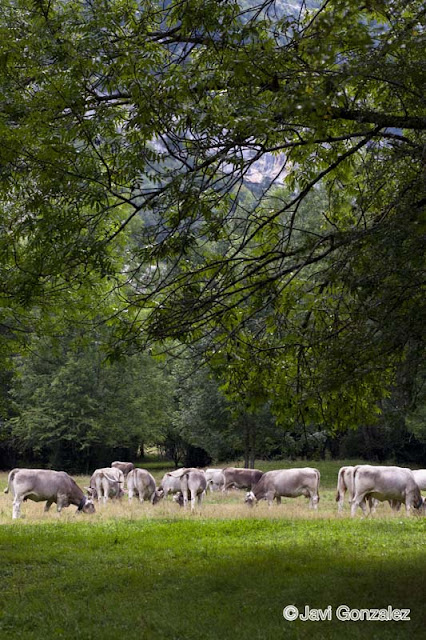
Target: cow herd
x: 365, y: 484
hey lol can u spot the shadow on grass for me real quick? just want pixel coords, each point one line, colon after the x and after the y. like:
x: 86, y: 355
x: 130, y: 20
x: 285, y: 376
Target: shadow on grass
x: 183, y: 580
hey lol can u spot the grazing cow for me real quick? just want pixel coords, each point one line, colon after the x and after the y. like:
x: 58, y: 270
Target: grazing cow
x: 287, y: 483
x: 215, y: 479
x: 241, y: 478
x: 170, y: 483
x: 420, y: 478
x: 192, y: 483
x: 125, y: 467
x: 345, y: 483
x: 44, y: 485
x: 395, y: 484
x: 141, y: 483
x: 106, y: 483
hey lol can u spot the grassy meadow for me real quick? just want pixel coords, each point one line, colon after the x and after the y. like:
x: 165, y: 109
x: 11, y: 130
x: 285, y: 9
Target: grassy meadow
x: 159, y: 572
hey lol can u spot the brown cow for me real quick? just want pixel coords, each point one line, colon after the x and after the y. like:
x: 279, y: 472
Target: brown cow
x: 125, y: 467
x: 241, y: 478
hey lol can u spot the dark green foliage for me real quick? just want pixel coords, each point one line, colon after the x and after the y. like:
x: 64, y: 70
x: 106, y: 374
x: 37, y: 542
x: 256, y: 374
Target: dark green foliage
x: 112, y: 113
x: 76, y: 411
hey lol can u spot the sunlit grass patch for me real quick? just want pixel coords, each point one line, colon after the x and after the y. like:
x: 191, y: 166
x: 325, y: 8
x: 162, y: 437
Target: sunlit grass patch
x: 204, y: 578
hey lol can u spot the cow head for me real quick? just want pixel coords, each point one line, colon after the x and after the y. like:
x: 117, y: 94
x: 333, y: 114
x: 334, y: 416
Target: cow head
x: 178, y: 497
x: 421, y: 506
x: 86, y: 505
x: 116, y: 491
x: 158, y: 495
x: 250, y: 499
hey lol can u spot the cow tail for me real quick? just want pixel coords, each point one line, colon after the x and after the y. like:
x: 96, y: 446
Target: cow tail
x: 341, y: 487
x: 318, y: 481
x: 10, y: 479
x: 353, y: 476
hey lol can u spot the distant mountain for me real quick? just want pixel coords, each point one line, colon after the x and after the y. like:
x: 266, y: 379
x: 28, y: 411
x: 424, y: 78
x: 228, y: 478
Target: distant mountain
x: 269, y: 168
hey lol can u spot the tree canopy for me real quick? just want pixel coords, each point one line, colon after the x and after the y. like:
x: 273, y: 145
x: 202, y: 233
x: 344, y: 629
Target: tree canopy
x: 129, y: 132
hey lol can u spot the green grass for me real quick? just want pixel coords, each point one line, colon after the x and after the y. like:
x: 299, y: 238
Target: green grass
x: 142, y: 572
x: 177, y: 579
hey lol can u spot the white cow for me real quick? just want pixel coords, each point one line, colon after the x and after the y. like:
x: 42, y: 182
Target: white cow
x: 288, y: 483
x: 193, y: 484
x: 44, y: 485
x: 141, y: 483
x: 395, y: 484
x: 105, y: 483
x: 345, y: 483
x: 170, y: 482
x: 420, y: 478
x: 215, y: 479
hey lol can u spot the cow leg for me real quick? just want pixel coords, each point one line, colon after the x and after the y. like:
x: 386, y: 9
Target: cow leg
x: 395, y: 505
x: 130, y: 494
x: 341, y: 501
x: 363, y: 506
x: 48, y: 505
x: 185, y: 497
x: 313, y: 501
x: 372, y: 503
x: 359, y: 502
x: 61, y: 502
x: 105, y: 489
x: 278, y: 498
x: 16, y: 512
x: 99, y: 489
x: 270, y: 495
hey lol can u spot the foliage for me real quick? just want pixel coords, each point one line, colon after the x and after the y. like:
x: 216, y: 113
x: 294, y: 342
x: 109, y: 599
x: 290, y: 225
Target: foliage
x: 76, y: 411
x: 116, y: 111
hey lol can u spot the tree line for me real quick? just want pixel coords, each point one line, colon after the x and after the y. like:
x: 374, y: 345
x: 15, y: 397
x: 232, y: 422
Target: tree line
x: 67, y: 407
x: 128, y: 133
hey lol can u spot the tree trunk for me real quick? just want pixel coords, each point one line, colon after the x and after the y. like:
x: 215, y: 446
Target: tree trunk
x: 252, y: 445
x: 247, y: 445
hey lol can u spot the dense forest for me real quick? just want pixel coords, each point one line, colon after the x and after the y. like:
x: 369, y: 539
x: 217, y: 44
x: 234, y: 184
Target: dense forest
x: 212, y: 231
